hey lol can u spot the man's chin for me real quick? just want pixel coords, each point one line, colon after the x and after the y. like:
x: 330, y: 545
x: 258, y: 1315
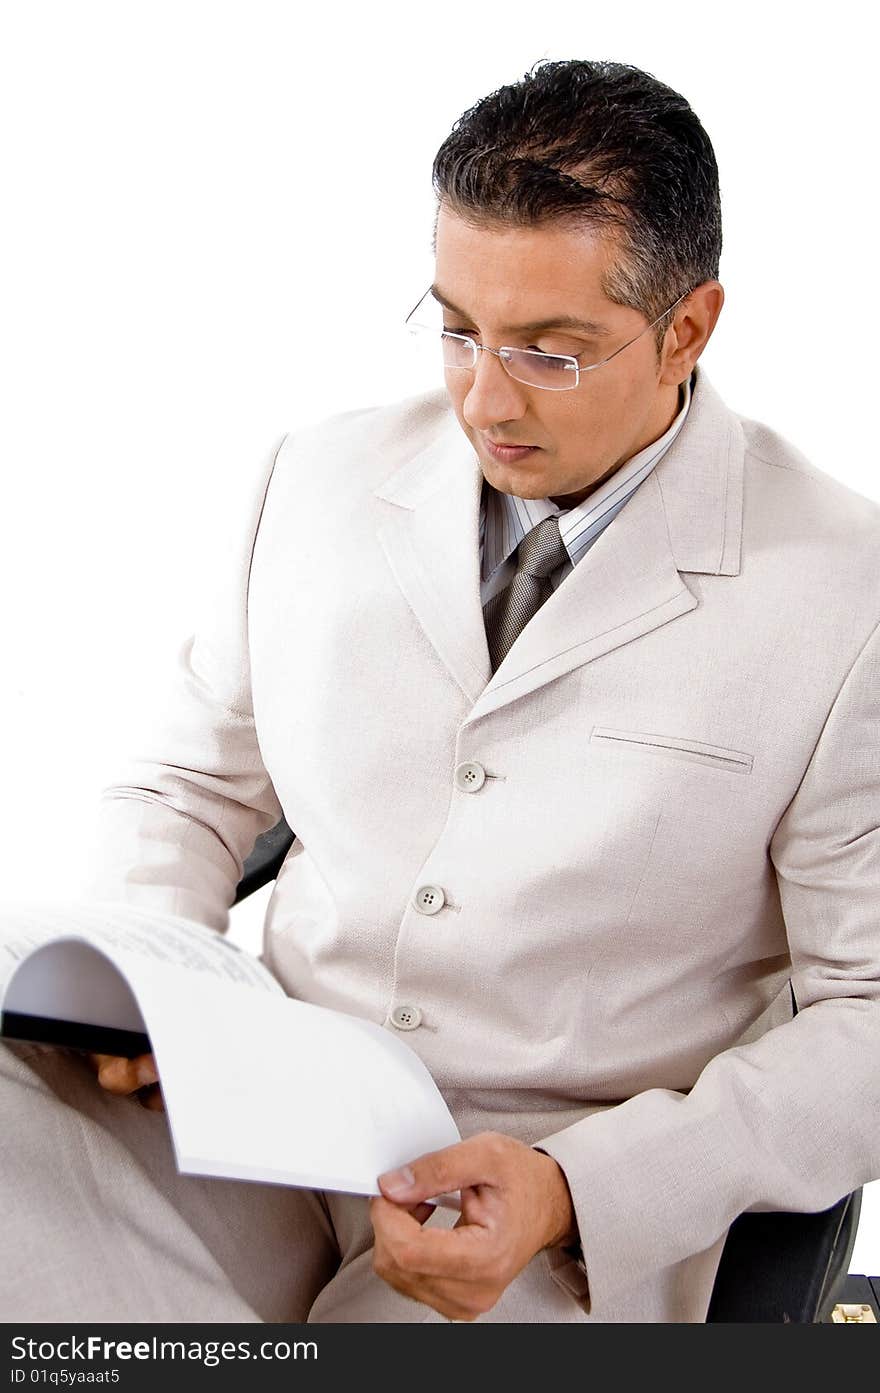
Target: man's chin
x: 512, y: 479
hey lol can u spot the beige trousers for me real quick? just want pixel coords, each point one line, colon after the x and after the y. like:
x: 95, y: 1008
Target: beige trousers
x: 97, y: 1224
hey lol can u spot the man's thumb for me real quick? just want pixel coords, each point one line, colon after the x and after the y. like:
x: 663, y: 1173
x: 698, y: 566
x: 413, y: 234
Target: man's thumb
x: 403, y: 1186
x: 399, y: 1185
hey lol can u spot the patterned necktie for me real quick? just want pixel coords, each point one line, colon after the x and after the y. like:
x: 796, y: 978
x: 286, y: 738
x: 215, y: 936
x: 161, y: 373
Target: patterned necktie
x: 507, y: 613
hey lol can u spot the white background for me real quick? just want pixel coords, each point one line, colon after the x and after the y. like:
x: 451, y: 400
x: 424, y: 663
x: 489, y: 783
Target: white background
x: 207, y: 204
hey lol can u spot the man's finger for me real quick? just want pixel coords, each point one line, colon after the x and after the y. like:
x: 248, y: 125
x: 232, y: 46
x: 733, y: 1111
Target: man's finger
x: 145, y: 1069
x: 114, y: 1073
x: 434, y: 1252
x: 477, y: 1161
x: 120, y: 1075
x: 421, y: 1213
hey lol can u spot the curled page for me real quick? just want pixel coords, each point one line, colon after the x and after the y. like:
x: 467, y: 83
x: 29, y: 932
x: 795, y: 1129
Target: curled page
x: 257, y: 1086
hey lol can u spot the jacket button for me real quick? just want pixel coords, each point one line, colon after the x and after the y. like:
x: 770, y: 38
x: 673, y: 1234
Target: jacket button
x: 406, y: 1017
x: 470, y: 777
x: 429, y: 898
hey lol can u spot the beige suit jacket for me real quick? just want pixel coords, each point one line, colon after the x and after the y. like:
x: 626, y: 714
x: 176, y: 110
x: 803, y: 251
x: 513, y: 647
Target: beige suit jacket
x: 663, y: 806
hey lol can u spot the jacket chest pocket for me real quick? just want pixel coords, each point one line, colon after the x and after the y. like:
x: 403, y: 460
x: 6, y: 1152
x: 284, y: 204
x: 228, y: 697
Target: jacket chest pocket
x: 674, y: 747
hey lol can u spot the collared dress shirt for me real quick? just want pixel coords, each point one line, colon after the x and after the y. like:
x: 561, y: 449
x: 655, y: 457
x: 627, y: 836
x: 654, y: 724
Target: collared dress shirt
x: 505, y: 519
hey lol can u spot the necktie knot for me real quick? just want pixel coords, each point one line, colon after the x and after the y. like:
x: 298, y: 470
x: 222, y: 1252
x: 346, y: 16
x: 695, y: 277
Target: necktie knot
x: 542, y: 550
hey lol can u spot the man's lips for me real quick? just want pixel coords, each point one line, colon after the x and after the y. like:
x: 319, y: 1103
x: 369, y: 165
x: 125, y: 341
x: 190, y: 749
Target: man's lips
x: 507, y: 452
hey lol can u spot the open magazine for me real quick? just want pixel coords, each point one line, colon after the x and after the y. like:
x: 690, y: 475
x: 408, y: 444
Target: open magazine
x: 256, y: 1085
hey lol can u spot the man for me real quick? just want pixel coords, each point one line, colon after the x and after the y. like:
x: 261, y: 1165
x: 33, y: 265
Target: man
x: 565, y: 679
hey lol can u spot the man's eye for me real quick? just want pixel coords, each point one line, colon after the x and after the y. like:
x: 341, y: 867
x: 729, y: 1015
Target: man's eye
x: 467, y: 333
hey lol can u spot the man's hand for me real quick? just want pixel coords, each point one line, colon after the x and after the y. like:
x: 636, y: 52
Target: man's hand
x: 514, y: 1202
x: 139, y: 1075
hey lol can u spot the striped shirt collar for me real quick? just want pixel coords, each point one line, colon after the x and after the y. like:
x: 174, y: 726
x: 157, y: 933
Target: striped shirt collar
x: 506, y: 519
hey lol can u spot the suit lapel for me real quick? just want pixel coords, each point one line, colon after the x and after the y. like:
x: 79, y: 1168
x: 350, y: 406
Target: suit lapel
x: 432, y: 542
x: 685, y: 516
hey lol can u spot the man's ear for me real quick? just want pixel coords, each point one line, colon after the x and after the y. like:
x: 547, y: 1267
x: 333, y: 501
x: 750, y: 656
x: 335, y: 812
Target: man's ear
x: 690, y: 331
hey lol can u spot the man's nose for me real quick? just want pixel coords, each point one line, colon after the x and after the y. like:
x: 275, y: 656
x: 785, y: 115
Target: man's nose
x: 493, y: 395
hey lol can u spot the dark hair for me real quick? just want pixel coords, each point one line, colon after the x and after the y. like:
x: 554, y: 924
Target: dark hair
x: 594, y: 144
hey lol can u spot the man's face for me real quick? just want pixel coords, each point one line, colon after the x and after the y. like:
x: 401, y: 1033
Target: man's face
x: 504, y: 278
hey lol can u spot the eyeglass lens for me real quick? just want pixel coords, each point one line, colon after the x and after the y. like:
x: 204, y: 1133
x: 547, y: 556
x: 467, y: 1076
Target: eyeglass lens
x: 536, y: 369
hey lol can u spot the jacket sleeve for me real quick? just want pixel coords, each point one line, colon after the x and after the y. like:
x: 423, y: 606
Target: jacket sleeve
x: 790, y: 1121
x: 172, y: 832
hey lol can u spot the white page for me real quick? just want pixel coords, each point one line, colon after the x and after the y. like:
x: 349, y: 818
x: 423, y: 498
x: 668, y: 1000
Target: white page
x: 68, y: 984
x: 257, y: 1086
x: 289, y: 1092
